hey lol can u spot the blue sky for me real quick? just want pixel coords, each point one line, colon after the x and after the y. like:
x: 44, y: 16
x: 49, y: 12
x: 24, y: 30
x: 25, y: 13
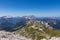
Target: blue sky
x: 40, y: 8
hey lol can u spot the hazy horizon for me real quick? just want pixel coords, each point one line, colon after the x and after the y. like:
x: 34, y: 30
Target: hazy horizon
x: 39, y: 8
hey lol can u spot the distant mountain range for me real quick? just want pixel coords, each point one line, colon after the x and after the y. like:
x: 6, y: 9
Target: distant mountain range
x: 8, y: 22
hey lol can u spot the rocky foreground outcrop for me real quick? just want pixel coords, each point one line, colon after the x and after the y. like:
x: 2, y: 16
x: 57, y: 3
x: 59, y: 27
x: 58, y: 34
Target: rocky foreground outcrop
x: 11, y: 36
x: 52, y: 38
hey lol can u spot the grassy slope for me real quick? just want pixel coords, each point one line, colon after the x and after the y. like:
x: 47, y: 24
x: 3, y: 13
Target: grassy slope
x: 52, y: 33
x: 30, y: 32
x: 37, y: 34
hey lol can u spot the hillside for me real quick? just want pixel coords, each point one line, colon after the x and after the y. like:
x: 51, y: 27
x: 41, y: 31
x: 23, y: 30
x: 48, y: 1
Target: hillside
x: 38, y: 30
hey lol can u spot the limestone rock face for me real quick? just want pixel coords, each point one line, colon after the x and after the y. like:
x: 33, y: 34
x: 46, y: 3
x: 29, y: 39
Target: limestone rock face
x: 11, y: 36
x: 55, y: 38
x: 52, y: 38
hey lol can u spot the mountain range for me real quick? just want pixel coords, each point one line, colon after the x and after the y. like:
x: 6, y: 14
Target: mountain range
x: 10, y: 23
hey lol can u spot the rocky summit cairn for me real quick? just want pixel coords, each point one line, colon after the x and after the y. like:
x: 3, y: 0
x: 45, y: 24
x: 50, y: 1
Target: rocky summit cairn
x: 11, y: 36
